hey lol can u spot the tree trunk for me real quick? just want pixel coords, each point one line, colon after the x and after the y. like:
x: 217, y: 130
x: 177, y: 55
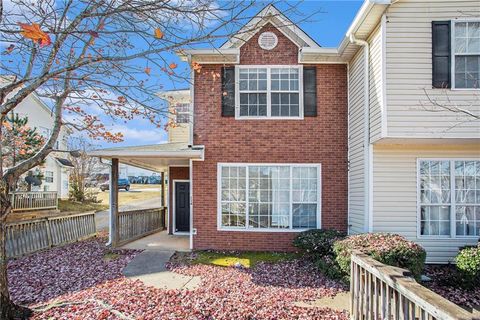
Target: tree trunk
x: 8, y: 310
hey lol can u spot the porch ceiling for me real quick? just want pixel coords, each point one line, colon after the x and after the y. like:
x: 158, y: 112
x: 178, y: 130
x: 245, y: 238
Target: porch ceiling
x: 156, y: 157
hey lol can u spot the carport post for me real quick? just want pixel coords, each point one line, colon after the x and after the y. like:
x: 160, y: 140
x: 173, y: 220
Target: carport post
x: 114, y: 202
x: 162, y: 201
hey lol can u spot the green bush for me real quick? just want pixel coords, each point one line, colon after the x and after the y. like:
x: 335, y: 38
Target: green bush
x: 468, y: 265
x: 329, y: 267
x: 318, y: 242
x: 390, y: 249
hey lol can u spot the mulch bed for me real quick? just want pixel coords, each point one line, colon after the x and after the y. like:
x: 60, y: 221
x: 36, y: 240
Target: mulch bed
x: 77, y: 282
x: 443, y: 283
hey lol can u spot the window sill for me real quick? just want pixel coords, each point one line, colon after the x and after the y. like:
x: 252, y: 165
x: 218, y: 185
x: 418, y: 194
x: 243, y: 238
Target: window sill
x: 268, y: 118
x: 263, y: 230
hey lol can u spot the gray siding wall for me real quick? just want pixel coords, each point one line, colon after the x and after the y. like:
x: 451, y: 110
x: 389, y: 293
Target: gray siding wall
x: 395, y: 194
x: 355, y: 143
x: 376, y: 99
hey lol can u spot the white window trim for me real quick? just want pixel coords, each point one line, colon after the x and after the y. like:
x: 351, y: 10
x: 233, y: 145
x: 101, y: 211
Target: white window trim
x: 245, y: 229
x: 452, y: 51
x: 269, y: 84
x: 188, y: 113
x: 49, y: 176
x: 452, y: 204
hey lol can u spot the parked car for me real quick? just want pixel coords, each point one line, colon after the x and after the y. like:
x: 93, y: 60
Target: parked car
x: 122, y: 184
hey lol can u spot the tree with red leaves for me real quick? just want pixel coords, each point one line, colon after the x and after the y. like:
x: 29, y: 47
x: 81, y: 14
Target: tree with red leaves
x: 110, y: 55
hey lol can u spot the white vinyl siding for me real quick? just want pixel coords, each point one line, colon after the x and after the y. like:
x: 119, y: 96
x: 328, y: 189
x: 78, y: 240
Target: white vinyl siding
x: 395, y: 203
x: 376, y: 81
x: 355, y: 145
x: 409, y: 72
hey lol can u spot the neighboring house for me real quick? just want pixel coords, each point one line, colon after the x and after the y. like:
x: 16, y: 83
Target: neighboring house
x: 56, y: 168
x: 285, y: 135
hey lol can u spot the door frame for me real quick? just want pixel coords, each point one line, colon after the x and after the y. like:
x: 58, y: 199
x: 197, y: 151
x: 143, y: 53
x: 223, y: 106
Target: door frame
x: 174, y: 181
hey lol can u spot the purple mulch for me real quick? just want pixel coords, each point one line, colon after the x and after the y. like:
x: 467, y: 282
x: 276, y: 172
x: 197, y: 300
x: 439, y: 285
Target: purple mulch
x: 87, y: 286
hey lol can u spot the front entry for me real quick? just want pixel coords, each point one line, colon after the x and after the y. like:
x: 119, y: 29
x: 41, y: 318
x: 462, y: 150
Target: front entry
x: 182, y: 206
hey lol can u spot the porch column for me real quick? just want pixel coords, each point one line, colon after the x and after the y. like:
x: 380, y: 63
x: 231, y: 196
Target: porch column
x: 114, y: 202
x: 162, y: 202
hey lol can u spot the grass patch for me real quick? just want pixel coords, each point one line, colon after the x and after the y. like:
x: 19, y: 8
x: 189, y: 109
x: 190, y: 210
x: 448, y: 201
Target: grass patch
x: 110, y: 256
x: 138, y: 192
x: 70, y: 206
x: 246, y: 259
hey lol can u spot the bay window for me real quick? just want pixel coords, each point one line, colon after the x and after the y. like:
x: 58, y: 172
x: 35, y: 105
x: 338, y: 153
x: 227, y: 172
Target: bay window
x: 449, y: 198
x: 271, y: 197
x: 269, y: 92
x: 466, y: 54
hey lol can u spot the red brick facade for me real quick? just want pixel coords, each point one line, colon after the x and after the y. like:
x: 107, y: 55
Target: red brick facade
x: 180, y: 173
x: 321, y: 139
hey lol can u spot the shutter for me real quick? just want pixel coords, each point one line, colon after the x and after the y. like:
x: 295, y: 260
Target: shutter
x: 310, y: 91
x: 228, y: 92
x: 441, y: 54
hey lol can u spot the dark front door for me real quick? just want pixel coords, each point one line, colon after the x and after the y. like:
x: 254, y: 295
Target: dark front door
x: 182, y: 206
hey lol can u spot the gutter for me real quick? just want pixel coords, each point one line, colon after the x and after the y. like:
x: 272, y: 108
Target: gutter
x: 367, y: 147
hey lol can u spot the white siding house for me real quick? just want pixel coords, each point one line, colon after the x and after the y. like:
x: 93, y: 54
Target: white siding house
x: 419, y: 172
x: 56, y: 168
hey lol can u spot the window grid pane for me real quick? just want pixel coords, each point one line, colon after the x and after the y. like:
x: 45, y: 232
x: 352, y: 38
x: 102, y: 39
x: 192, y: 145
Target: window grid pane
x: 467, y: 198
x: 233, y: 196
x: 260, y: 197
x: 467, y: 54
x: 435, y: 198
x: 283, y: 91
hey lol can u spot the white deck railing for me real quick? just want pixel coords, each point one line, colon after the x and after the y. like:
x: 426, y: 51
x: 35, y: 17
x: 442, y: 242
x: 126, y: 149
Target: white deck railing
x: 34, y: 200
x: 382, y: 292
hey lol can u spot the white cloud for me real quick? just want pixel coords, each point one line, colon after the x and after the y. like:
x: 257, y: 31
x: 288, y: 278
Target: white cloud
x: 138, y: 136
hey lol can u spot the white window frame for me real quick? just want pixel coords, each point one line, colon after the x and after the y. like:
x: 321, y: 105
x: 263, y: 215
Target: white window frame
x: 453, y: 54
x: 269, y: 92
x: 220, y: 165
x: 453, y: 203
x: 49, y: 176
x: 188, y: 113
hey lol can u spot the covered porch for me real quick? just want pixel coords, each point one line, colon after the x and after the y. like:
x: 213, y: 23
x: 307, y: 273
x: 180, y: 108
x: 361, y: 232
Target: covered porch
x: 172, y: 216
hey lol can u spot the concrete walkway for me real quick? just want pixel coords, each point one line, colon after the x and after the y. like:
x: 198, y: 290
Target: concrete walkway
x: 149, y: 266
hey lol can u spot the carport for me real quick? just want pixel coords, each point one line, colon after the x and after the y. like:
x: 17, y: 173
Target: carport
x: 132, y: 225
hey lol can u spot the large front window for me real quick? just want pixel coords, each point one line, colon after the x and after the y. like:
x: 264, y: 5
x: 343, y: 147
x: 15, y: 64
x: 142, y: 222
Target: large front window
x: 449, y: 200
x: 466, y: 57
x: 269, y: 92
x: 275, y: 197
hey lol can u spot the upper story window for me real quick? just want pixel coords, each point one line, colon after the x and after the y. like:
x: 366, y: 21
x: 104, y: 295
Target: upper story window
x: 182, y: 113
x: 269, y: 92
x: 466, y: 54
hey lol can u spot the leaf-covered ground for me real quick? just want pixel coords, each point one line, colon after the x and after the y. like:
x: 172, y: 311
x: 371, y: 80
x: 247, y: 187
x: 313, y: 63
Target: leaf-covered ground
x: 444, y: 283
x: 84, y: 281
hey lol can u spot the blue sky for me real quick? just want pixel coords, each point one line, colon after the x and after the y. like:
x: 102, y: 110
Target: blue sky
x: 328, y: 28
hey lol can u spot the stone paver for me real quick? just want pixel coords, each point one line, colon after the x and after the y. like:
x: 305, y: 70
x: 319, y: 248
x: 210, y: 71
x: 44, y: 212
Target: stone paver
x: 149, y: 267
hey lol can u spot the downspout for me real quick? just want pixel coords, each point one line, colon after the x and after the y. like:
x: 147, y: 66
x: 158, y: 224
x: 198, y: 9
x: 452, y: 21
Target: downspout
x: 367, y: 149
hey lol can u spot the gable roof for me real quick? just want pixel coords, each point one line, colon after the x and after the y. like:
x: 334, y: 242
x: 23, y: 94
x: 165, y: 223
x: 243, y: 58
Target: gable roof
x: 270, y: 14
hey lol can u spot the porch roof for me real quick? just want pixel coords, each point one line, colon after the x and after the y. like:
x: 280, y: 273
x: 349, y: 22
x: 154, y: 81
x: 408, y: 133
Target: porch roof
x: 155, y: 157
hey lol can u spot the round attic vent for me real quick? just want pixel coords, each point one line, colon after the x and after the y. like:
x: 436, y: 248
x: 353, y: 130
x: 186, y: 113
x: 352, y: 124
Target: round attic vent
x: 267, y: 40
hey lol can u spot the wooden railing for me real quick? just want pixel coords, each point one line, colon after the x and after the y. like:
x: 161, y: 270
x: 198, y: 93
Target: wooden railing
x: 136, y: 224
x: 34, y: 200
x: 382, y: 292
x: 33, y: 235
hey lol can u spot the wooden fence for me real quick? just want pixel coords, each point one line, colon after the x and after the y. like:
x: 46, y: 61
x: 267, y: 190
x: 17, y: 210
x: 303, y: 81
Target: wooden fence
x: 35, y: 200
x: 379, y: 291
x: 135, y: 224
x: 33, y: 235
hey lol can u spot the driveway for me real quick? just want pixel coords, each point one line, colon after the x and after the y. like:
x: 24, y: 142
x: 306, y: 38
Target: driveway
x: 101, y: 217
